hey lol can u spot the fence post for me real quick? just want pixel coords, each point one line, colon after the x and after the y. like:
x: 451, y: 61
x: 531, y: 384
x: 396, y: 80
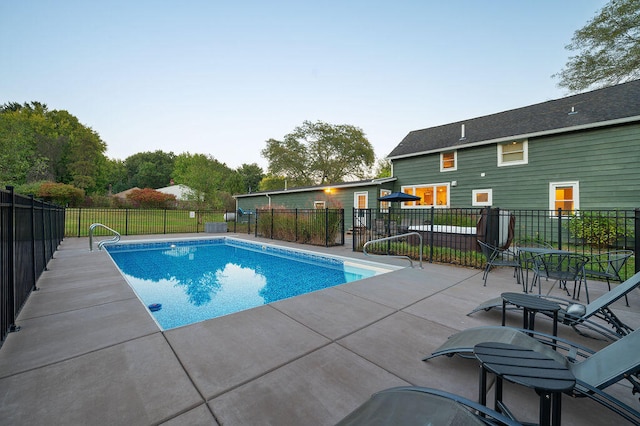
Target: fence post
x: 164, y: 229
x: 636, y: 228
x: 326, y: 227
x: 559, y: 228
x: 432, y: 214
x: 11, y: 288
x: 296, y: 221
x: 33, y: 242
x: 79, y: 220
x: 270, y: 231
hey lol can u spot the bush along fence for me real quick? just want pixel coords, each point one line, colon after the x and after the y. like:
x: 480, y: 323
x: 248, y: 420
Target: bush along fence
x: 320, y: 227
x: 450, y: 235
x: 30, y: 232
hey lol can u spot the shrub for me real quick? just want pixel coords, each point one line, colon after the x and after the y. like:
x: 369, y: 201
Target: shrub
x: 148, y: 198
x: 598, y: 229
x: 61, y: 194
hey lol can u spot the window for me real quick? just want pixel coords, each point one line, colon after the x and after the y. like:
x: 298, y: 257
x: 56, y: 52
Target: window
x: 384, y: 205
x: 565, y: 196
x: 513, y: 153
x: 482, y: 197
x: 448, y: 161
x: 434, y: 195
x: 319, y: 204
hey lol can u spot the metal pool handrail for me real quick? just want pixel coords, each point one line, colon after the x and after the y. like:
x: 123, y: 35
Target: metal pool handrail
x: 112, y: 240
x: 394, y: 237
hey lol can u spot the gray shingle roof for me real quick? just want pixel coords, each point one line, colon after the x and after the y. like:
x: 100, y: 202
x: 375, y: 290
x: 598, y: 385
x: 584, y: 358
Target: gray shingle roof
x: 598, y: 107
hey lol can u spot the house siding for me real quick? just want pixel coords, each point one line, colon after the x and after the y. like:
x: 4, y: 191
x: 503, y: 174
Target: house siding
x: 337, y: 198
x: 603, y: 161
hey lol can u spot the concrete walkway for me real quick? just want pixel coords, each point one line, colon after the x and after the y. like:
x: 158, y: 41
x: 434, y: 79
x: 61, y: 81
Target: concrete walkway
x: 88, y: 351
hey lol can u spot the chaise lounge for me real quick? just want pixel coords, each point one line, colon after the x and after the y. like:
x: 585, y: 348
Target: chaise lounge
x: 574, y: 314
x: 412, y: 405
x: 594, y: 371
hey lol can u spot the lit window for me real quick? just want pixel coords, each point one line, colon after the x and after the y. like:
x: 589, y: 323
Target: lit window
x: 482, y: 197
x: 513, y: 153
x: 319, y: 204
x: 448, y: 161
x: 565, y: 196
x: 384, y: 205
x: 435, y: 195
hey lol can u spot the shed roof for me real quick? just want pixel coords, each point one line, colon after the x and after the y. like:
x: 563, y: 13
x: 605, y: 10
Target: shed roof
x: 354, y: 184
x: 602, y: 107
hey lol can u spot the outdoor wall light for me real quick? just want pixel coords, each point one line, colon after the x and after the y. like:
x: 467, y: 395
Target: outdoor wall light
x: 454, y: 183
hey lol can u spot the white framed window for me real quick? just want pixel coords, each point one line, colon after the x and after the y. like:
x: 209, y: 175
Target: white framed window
x: 513, y: 153
x: 482, y: 197
x: 319, y: 204
x: 384, y: 205
x: 448, y: 161
x: 565, y: 196
x: 431, y: 195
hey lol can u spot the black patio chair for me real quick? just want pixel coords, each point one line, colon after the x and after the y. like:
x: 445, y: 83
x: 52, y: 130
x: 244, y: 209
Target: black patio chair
x: 498, y: 257
x: 608, y: 266
x: 560, y: 267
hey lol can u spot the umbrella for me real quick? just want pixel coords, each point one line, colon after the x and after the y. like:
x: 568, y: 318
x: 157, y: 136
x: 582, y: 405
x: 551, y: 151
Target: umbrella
x: 399, y: 196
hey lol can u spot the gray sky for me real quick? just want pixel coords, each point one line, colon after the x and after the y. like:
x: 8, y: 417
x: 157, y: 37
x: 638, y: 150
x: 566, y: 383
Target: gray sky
x: 221, y: 78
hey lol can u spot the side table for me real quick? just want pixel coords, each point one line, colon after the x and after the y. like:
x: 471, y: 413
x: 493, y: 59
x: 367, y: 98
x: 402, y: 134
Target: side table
x: 530, y: 305
x: 528, y: 368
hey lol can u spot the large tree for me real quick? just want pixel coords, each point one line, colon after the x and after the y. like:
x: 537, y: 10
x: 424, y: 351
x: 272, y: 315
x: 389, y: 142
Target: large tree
x: 211, y: 180
x: 37, y: 144
x: 150, y: 169
x: 251, y: 175
x: 316, y: 153
x: 608, y: 46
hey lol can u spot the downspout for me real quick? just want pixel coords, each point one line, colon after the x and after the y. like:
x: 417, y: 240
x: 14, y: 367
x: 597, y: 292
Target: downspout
x: 269, y: 197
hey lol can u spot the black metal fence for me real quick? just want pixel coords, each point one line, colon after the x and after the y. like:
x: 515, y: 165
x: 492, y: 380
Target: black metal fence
x: 30, y: 232
x: 139, y: 221
x: 321, y: 227
x: 450, y: 235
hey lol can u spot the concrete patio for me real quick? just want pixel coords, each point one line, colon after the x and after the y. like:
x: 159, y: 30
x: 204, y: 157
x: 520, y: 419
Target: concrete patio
x: 88, y: 351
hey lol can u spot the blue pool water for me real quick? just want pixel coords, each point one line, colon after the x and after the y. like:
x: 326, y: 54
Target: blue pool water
x: 204, y: 279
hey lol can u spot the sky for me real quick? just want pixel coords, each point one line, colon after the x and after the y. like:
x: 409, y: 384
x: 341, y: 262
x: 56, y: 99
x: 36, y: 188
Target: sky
x: 221, y: 78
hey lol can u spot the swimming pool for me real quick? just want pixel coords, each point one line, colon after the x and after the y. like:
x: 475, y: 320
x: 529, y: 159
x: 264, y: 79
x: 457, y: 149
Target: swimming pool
x: 196, y: 280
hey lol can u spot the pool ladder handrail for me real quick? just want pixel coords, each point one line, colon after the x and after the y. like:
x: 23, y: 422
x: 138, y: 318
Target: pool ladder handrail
x: 394, y: 237
x: 112, y: 240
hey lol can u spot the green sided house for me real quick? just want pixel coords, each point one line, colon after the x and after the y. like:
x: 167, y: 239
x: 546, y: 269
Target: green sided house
x: 577, y: 152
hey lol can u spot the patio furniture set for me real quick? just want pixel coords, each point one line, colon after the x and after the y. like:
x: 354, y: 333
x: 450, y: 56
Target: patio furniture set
x: 545, y: 363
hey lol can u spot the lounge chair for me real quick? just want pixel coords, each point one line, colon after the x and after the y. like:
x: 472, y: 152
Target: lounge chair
x: 412, y: 405
x: 594, y: 371
x: 574, y: 314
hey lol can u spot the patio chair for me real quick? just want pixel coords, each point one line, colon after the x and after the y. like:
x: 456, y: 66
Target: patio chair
x: 561, y: 267
x: 608, y: 266
x: 574, y: 314
x: 413, y: 405
x: 498, y: 257
x: 594, y: 371
x: 526, y: 257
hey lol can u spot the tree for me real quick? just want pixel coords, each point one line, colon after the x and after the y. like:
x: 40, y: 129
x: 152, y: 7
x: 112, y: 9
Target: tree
x: 272, y: 183
x: 608, y: 46
x: 316, y: 153
x: 383, y: 168
x: 251, y: 175
x: 208, y: 177
x: 150, y: 169
x: 37, y: 144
